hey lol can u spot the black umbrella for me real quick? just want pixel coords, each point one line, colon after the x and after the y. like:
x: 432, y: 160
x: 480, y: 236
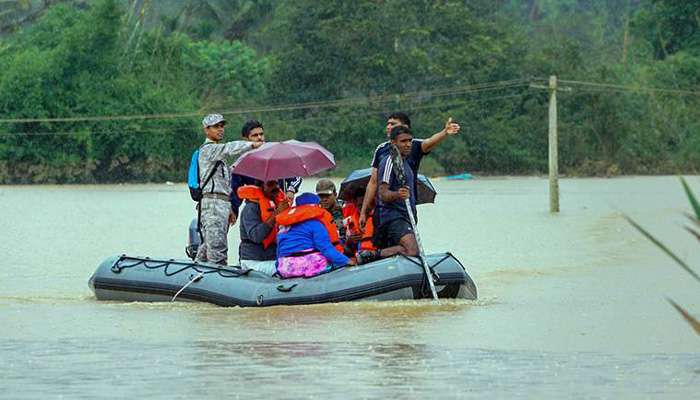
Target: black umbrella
x: 360, y: 178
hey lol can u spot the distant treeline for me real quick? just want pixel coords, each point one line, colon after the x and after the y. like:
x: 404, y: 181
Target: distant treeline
x: 114, y: 91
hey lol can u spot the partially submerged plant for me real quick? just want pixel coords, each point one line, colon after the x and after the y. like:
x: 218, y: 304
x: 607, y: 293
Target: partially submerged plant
x: 695, y: 219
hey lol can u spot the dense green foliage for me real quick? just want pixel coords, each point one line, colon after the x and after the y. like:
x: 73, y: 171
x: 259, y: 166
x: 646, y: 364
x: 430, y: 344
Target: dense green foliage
x: 110, y: 90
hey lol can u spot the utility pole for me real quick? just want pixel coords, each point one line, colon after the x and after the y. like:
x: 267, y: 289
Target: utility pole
x: 553, y: 142
x: 553, y: 147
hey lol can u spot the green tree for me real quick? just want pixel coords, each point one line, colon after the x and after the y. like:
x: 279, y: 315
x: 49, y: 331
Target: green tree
x: 670, y: 26
x: 92, y: 69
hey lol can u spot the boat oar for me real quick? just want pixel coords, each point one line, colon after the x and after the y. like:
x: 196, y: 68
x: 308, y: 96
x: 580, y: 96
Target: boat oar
x: 397, y: 160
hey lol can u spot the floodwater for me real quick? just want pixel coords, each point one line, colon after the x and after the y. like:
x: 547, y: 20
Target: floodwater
x: 570, y: 305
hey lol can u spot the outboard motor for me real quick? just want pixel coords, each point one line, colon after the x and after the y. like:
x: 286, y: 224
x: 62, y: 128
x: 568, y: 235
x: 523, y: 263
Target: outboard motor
x: 193, y: 240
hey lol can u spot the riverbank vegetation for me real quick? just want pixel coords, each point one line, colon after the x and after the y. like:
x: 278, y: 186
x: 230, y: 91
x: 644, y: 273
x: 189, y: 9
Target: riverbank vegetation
x: 113, y: 91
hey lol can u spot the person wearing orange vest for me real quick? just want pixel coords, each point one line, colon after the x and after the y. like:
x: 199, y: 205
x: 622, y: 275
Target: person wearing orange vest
x: 253, y: 132
x: 258, y: 247
x: 305, y: 241
x: 356, y: 239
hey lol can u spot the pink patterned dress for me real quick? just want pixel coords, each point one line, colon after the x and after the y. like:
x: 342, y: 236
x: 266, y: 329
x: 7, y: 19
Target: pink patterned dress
x: 306, y: 265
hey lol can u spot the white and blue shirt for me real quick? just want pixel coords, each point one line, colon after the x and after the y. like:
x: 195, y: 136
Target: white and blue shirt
x: 395, y: 209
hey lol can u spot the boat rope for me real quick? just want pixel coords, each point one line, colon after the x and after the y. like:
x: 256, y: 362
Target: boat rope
x: 192, y: 280
x: 123, y: 263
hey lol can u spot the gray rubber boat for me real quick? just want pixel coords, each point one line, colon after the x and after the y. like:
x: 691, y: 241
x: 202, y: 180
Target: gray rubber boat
x: 125, y: 278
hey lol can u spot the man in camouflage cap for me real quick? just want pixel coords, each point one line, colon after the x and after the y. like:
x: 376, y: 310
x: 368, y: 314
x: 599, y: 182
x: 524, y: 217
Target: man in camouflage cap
x: 325, y: 189
x: 215, y: 205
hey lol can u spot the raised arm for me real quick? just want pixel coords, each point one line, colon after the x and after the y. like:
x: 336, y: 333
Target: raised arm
x: 232, y: 149
x: 451, y: 128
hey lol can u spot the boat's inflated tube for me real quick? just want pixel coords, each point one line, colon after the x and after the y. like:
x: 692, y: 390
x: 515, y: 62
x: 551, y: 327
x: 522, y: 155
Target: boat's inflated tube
x: 126, y: 278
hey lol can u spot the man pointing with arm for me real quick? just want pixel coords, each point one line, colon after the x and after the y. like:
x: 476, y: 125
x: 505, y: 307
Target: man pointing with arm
x: 214, y: 157
x: 419, y: 148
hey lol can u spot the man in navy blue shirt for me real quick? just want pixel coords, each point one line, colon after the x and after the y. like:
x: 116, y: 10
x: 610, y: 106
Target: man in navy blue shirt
x: 419, y: 148
x: 394, y: 234
x: 253, y: 131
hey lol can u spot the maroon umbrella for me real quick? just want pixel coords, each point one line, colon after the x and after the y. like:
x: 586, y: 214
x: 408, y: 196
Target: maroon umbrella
x: 287, y: 159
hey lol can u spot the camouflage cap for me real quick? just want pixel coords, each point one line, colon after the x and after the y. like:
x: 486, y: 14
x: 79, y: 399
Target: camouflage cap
x: 212, y: 119
x: 325, y: 186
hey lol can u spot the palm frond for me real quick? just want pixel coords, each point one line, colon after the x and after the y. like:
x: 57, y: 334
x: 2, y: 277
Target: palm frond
x: 664, y: 248
x: 691, y: 198
x: 692, y: 219
x: 689, y: 318
x: 693, y: 232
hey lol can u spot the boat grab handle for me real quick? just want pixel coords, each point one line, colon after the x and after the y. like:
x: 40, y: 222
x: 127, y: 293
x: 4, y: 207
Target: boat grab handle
x: 289, y: 288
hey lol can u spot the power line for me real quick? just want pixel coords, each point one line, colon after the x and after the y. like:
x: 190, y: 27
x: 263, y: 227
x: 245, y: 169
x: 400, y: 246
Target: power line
x: 386, y: 111
x: 474, y: 88
x: 272, y: 123
x: 355, y: 101
x: 617, y: 88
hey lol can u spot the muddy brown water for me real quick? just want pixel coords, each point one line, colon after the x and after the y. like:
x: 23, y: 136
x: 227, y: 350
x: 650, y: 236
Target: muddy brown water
x: 570, y: 305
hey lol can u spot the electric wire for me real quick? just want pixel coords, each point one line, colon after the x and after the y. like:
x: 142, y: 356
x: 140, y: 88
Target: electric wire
x: 474, y: 88
x: 371, y: 101
x: 292, y: 121
x: 616, y: 87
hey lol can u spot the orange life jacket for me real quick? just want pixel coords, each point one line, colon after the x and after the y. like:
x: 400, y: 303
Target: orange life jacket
x: 306, y: 212
x: 267, y: 207
x: 351, y: 220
